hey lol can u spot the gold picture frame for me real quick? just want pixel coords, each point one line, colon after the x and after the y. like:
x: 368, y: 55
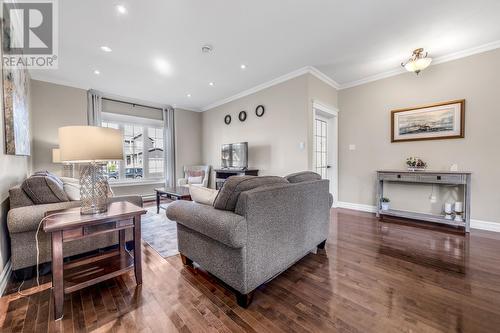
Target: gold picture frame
x: 438, y: 121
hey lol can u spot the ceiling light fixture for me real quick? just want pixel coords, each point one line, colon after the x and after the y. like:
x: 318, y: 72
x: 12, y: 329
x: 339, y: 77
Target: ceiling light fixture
x: 162, y: 66
x: 188, y: 95
x: 211, y: 84
x: 97, y: 72
x: 121, y: 9
x: 106, y: 48
x: 243, y: 66
x: 417, y: 62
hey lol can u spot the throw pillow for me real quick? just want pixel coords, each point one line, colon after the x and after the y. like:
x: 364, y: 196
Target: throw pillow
x: 193, y: 173
x: 233, y: 186
x: 203, y: 195
x: 195, y: 180
x: 72, y: 188
x: 44, y: 188
x: 303, y: 176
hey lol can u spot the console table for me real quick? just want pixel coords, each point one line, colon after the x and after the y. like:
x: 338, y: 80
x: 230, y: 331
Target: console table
x: 426, y: 177
x: 222, y: 174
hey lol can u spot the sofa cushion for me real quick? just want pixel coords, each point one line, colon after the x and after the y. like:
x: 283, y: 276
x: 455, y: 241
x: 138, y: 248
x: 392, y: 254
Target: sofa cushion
x: 44, y: 188
x: 203, y: 195
x: 303, y: 176
x: 233, y: 186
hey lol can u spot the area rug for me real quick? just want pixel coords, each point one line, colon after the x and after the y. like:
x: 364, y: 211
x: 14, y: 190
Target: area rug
x: 160, y: 232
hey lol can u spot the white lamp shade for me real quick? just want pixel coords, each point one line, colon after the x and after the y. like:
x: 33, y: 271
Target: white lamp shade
x: 90, y: 143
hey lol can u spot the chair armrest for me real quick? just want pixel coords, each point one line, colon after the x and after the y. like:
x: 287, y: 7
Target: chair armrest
x: 182, y: 181
x: 23, y: 219
x: 223, y: 226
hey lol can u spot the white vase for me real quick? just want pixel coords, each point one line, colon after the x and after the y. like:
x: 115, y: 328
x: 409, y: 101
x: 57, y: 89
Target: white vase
x: 385, y: 206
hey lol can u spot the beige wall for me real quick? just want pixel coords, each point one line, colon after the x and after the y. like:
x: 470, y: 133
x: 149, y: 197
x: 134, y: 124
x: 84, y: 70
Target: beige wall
x: 13, y: 170
x: 188, y: 140
x: 56, y: 105
x: 274, y: 140
x: 364, y: 120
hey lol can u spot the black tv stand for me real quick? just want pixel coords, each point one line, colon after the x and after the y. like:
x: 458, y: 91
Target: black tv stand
x: 222, y: 174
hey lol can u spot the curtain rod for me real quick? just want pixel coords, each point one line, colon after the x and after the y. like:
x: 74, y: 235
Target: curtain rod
x: 133, y: 104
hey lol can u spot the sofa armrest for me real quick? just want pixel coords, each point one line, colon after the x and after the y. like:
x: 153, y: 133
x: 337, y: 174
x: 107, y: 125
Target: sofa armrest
x: 223, y: 226
x: 23, y: 219
x: 133, y: 199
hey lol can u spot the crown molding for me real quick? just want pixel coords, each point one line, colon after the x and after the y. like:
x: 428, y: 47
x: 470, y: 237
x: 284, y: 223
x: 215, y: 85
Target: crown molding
x: 42, y: 78
x: 296, y: 73
x: 449, y: 57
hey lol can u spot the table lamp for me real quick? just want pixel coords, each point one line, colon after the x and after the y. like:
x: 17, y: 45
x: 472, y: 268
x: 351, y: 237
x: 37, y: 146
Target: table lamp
x: 91, y: 146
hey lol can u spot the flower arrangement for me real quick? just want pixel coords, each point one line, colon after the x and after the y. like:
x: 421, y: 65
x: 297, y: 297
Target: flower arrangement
x: 384, y: 203
x: 415, y: 163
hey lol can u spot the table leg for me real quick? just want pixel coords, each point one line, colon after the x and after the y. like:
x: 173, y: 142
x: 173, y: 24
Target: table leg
x: 122, y: 243
x: 157, y: 202
x: 57, y: 274
x: 137, y: 249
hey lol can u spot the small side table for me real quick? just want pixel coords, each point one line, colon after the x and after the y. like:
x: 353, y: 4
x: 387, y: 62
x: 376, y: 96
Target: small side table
x: 68, y: 225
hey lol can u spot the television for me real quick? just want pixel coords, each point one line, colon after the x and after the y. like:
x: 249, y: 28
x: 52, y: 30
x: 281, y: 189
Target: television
x: 234, y: 155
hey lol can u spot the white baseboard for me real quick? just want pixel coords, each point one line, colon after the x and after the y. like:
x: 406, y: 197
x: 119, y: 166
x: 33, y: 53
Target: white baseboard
x: 474, y: 224
x: 5, y: 276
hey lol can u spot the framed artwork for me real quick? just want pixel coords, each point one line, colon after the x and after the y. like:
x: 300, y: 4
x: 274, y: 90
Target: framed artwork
x: 429, y: 122
x: 15, y: 86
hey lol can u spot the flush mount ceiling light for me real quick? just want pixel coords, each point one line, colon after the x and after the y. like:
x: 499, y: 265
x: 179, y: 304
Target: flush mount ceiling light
x: 106, y: 48
x: 188, y: 95
x: 121, y: 9
x: 243, y: 66
x: 417, y: 62
x: 211, y: 84
x: 97, y: 72
x: 162, y: 66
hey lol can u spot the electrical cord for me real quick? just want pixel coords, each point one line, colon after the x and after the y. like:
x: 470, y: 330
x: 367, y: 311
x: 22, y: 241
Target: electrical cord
x: 38, y: 250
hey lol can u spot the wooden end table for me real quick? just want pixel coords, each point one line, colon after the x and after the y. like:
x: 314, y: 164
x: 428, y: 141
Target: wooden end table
x: 68, y: 225
x: 176, y: 193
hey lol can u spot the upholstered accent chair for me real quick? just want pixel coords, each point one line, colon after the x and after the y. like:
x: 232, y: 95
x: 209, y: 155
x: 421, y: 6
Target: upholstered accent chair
x: 197, y: 175
x: 256, y: 229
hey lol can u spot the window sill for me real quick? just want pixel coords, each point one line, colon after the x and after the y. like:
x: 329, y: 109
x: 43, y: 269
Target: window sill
x: 136, y: 182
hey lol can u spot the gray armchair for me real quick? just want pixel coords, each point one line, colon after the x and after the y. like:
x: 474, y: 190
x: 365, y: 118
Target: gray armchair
x: 202, y: 171
x: 271, y: 228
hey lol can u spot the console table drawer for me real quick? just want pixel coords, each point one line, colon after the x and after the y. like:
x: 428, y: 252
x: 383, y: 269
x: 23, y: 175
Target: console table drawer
x: 443, y: 178
x: 401, y: 177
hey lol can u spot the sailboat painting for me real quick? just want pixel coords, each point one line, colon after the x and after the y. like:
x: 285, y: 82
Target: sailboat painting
x: 429, y: 122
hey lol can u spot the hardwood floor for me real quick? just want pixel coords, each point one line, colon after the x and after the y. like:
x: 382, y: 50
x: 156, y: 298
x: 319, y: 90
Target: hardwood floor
x: 371, y: 277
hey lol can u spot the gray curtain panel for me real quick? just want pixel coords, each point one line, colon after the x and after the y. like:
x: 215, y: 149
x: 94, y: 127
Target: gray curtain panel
x: 94, y: 108
x: 169, y: 139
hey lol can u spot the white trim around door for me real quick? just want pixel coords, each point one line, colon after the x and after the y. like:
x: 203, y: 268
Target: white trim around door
x: 330, y: 114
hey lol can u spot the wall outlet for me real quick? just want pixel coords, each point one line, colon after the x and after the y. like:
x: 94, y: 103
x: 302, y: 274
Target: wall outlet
x: 352, y: 147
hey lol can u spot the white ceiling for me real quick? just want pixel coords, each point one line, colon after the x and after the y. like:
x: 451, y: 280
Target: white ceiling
x: 346, y: 40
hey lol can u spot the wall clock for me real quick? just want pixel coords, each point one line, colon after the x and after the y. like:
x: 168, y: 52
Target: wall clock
x: 259, y: 111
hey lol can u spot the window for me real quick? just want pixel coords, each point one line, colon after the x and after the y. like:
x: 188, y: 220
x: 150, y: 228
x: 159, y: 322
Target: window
x: 143, y: 149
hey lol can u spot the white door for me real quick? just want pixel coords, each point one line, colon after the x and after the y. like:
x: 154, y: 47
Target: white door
x: 325, y: 146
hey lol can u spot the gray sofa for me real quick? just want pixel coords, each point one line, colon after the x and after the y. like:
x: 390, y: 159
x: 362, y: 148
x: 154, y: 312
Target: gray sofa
x: 23, y: 220
x: 271, y: 228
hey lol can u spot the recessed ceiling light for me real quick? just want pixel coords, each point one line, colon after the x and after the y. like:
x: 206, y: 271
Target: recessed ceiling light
x: 162, y: 66
x: 211, y: 84
x: 207, y: 48
x: 243, y: 66
x: 188, y: 95
x: 106, y: 48
x: 97, y: 72
x: 121, y: 9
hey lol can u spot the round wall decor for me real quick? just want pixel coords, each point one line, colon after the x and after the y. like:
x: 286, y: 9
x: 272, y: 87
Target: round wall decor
x: 259, y: 111
x: 242, y: 116
x: 227, y: 119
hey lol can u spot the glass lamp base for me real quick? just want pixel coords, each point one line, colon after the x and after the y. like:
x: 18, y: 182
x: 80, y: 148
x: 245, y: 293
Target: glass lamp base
x: 93, y: 189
